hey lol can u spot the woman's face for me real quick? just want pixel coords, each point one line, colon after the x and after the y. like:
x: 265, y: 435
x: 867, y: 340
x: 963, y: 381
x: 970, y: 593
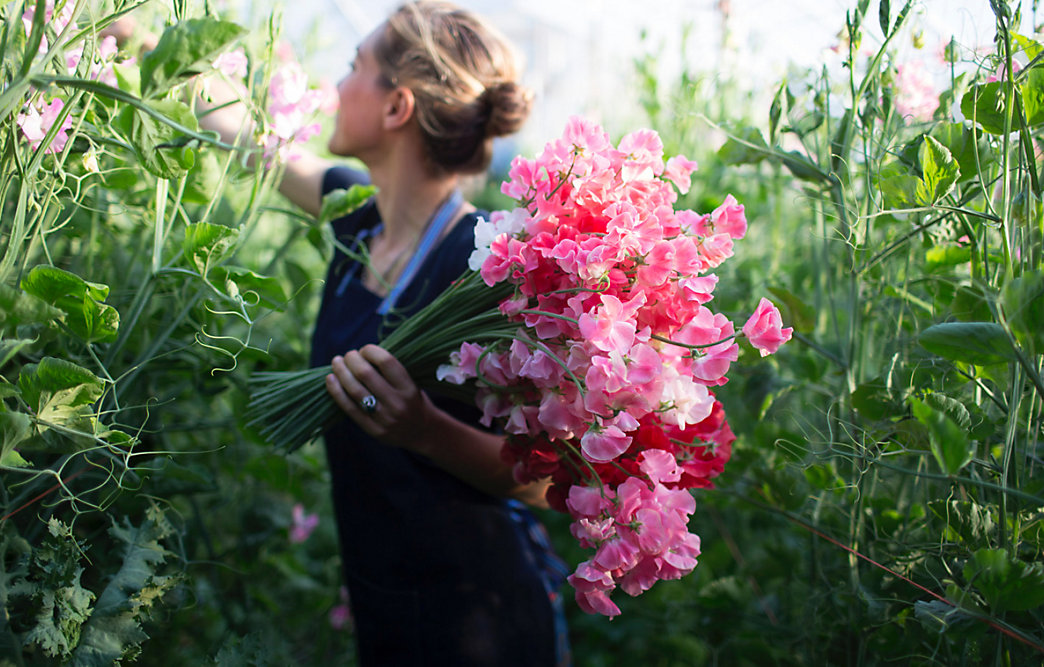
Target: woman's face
x: 358, y: 128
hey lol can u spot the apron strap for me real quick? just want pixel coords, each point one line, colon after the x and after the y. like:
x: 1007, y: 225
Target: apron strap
x: 430, y: 239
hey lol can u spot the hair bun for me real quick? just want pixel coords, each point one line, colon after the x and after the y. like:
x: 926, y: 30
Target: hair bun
x: 509, y: 105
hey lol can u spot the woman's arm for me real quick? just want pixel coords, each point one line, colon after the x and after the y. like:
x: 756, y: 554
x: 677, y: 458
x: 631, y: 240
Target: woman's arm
x: 406, y: 417
x: 225, y: 114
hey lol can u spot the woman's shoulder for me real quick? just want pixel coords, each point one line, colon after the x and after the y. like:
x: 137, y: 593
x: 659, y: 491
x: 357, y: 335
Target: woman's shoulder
x: 343, y: 177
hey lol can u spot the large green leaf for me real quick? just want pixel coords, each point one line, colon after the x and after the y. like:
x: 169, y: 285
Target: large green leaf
x: 985, y: 105
x: 59, y: 391
x: 80, y: 301
x: 1033, y: 96
x: 1023, y: 301
x: 1006, y: 583
x: 114, y: 628
x: 949, y: 442
x: 339, y: 203
x: 160, y: 148
x: 15, y: 427
x: 184, y: 50
x: 972, y: 342
x: 939, y: 172
x: 207, y: 244
x: 252, y: 287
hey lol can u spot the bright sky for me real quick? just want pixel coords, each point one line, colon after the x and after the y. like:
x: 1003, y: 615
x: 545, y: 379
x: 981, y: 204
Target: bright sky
x: 579, y: 52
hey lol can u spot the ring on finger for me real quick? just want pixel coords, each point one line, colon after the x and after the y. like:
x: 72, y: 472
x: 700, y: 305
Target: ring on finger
x: 368, y: 404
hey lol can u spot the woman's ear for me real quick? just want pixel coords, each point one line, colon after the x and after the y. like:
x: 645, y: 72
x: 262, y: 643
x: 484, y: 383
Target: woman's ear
x: 398, y: 109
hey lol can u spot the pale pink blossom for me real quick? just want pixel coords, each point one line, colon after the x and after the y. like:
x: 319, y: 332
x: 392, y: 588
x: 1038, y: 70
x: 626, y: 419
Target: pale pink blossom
x: 679, y: 172
x: 765, y: 329
x: 340, y: 615
x: 302, y: 524
x: 232, y: 64
x: 35, y: 123
x: 916, y: 98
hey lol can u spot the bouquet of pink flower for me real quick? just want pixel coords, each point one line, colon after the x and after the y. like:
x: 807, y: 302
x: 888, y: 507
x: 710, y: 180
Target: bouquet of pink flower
x: 590, y: 343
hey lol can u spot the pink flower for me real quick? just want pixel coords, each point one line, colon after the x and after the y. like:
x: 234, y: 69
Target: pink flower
x: 679, y: 172
x: 35, y: 125
x: 916, y: 98
x: 341, y: 615
x: 302, y: 524
x: 765, y: 329
x: 232, y: 64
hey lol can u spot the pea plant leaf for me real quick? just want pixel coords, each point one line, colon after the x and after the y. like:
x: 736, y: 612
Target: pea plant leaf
x: 185, y: 49
x: 207, y: 244
x: 15, y: 427
x: 1023, y: 301
x: 114, y: 630
x: 950, y: 445
x: 939, y: 172
x: 81, y: 301
x: 60, y: 392
x: 980, y: 343
x: 160, y: 148
x: 985, y: 105
x: 1007, y: 584
x: 340, y: 202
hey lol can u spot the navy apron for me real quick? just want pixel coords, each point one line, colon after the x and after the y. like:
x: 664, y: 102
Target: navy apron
x: 438, y: 572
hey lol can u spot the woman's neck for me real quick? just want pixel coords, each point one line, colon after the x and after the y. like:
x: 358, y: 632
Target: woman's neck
x: 408, y: 194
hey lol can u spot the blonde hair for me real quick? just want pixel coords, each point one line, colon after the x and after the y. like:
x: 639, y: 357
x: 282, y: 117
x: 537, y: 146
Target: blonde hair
x: 462, y: 74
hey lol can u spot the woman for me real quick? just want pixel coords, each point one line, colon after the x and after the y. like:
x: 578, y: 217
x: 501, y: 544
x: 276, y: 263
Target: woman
x: 440, y: 569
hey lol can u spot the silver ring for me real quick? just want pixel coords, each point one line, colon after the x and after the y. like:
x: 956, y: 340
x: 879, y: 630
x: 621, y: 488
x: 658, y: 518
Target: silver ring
x: 369, y: 404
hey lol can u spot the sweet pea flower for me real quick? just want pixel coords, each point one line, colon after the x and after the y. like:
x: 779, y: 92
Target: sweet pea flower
x: 232, y: 64
x: 341, y: 615
x: 302, y: 524
x: 916, y: 98
x: 765, y: 329
x: 36, y: 123
x: 679, y: 172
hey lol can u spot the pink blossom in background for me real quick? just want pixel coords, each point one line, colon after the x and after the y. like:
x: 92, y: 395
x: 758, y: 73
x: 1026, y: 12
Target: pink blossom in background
x: 232, y: 64
x: 341, y: 615
x: 765, y: 329
x: 302, y: 524
x: 56, y: 22
x: 916, y: 98
x: 35, y: 123
x: 1001, y: 72
x: 291, y: 105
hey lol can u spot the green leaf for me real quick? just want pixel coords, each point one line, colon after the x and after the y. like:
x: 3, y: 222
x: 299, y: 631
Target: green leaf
x: 207, y: 244
x: 253, y: 288
x: 17, y: 308
x: 939, y: 172
x: 15, y: 427
x: 80, y: 301
x: 949, y: 442
x: 978, y: 343
x: 339, y: 203
x: 797, y: 313
x: 161, y: 149
x: 984, y: 104
x: 114, y: 628
x: 1006, y: 583
x: 940, y: 256
x: 1023, y: 302
x: 184, y: 50
x: 1032, y: 87
x: 970, y: 303
x: 748, y: 147
x: 59, y: 391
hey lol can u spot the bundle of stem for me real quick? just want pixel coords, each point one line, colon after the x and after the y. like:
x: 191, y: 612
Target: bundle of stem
x: 291, y: 408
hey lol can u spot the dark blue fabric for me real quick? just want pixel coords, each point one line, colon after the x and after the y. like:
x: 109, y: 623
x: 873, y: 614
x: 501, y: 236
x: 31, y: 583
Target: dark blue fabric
x: 438, y: 572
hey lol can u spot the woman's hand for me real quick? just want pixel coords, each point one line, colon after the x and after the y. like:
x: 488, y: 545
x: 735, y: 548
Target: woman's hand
x: 404, y: 416
x: 396, y: 413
